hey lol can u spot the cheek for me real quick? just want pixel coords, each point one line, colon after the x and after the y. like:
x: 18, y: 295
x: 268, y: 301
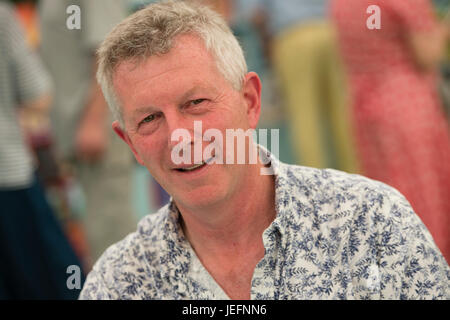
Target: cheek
x: 150, y: 150
x: 238, y: 117
x: 229, y: 118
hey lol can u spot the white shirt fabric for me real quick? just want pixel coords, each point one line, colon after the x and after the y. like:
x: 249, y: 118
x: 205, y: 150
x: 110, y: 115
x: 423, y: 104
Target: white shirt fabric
x: 335, y: 236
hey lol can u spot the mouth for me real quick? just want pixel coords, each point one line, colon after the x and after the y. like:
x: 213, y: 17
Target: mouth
x: 195, y: 167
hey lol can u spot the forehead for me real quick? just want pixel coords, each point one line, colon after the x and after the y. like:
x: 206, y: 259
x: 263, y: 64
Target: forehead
x: 188, y: 61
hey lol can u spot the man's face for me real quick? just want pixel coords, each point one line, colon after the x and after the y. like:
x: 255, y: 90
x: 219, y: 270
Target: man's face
x: 170, y: 92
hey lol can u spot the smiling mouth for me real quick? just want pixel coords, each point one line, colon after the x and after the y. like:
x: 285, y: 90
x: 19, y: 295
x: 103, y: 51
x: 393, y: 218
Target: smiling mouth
x: 195, y: 167
x: 191, y: 168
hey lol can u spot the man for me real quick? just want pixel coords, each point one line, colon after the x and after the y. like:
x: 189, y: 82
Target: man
x: 80, y: 119
x: 230, y: 231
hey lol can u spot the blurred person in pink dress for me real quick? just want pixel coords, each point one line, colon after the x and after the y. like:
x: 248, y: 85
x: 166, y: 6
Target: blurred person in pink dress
x: 401, y: 131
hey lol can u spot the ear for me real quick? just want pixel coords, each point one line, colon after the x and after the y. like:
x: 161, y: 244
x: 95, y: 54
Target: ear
x: 124, y: 136
x: 251, y: 91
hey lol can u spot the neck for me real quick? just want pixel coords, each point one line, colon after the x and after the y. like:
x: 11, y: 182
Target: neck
x: 238, y: 222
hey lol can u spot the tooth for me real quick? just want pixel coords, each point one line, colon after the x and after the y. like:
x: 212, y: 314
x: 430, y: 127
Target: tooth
x: 192, y: 168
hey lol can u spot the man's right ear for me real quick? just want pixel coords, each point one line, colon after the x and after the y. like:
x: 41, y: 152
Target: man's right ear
x: 124, y: 136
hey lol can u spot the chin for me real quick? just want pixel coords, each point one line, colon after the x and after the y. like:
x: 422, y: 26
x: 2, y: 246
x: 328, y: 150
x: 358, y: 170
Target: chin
x: 203, y: 196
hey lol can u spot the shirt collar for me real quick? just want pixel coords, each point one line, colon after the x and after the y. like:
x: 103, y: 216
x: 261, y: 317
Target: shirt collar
x: 283, y: 195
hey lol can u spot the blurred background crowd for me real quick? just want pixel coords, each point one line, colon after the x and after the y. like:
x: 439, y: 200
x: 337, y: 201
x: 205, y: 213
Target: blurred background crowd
x: 368, y: 101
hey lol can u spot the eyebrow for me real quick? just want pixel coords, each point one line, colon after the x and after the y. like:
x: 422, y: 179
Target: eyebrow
x: 142, y: 110
x: 195, y: 89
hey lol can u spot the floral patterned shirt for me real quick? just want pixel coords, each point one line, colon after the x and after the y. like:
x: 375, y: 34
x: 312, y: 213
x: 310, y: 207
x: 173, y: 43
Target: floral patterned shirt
x: 335, y: 236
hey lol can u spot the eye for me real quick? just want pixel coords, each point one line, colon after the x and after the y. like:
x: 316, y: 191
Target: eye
x: 197, y: 101
x: 149, y: 118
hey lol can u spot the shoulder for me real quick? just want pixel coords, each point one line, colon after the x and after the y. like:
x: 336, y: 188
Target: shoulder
x: 366, y: 225
x: 333, y: 198
x: 126, y: 269
x: 339, y: 188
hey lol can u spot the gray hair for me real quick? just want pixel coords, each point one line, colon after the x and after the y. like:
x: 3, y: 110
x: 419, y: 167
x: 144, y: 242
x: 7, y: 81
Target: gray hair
x: 150, y: 31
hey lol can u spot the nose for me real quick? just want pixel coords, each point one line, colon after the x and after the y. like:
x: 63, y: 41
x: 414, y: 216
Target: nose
x: 179, y: 129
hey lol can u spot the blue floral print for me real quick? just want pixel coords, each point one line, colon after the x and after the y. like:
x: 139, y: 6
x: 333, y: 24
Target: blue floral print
x: 335, y: 236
